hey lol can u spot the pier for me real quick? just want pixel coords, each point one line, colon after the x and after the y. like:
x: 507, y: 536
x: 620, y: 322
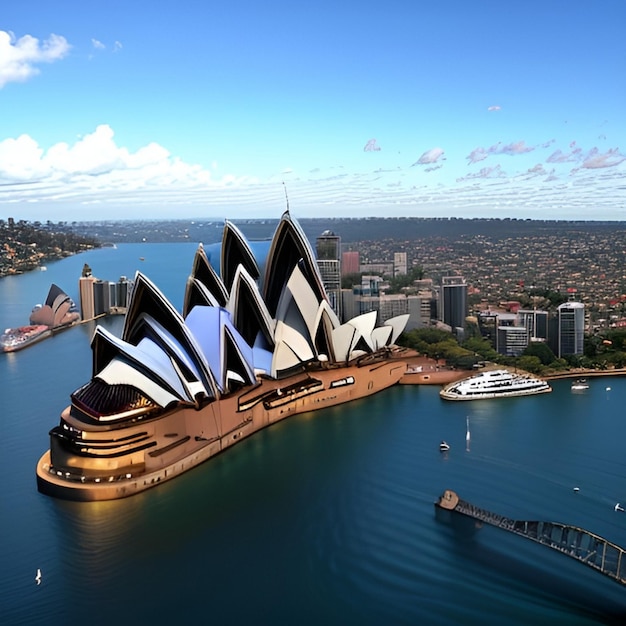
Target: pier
x: 592, y: 550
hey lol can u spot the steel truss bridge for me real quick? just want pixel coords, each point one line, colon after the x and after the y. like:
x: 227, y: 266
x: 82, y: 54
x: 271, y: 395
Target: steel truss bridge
x: 577, y: 543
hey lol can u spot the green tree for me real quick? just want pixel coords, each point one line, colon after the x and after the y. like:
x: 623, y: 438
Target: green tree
x: 530, y: 364
x: 540, y: 350
x: 398, y: 283
x: 482, y: 347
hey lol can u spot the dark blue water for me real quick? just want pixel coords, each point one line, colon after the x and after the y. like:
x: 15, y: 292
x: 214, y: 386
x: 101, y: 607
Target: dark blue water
x: 327, y: 518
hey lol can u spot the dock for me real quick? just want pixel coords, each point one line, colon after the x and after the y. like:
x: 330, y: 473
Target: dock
x: 577, y: 543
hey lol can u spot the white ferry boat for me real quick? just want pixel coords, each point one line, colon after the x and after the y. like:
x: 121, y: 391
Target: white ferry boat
x: 494, y: 384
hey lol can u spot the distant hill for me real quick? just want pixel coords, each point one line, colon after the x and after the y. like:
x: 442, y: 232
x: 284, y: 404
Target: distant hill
x: 25, y: 246
x: 350, y: 230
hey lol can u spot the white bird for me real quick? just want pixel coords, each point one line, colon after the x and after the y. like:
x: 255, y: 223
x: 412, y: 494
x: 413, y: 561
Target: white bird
x: 618, y: 507
x: 38, y: 576
x: 576, y: 488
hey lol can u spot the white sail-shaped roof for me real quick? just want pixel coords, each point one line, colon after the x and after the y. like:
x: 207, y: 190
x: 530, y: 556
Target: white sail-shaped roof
x: 398, y: 324
x: 381, y: 336
x: 365, y: 324
x: 196, y: 292
x: 344, y: 337
x: 292, y: 349
x: 298, y: 293
x: 147, y: 298
x: 224, y: 348
x: 326, y: 321
x: 248, y: 311
x: 146, y: 357
x: 289, y: 248
x: 120, y: 372
x: 56, y: 311
x: 202, y: 272
x: 236, y: 252
x: 188, y: 369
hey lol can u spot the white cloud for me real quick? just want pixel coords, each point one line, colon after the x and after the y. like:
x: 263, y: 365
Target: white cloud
x: 95, y: 163
x: 430, y: 156
x: 595, y: 160
x: 20, y: 159
x: 98, y: 45
x: 94, y: 177
x: 19, y: 57
x: 519, y: 147
x: 478, y: 154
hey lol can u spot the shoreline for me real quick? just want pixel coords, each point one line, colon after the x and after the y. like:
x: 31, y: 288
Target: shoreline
x: 583, y: 373
x: 422, y: 370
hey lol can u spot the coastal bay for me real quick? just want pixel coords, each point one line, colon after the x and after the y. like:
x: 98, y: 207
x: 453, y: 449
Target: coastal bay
x: 325, y: 518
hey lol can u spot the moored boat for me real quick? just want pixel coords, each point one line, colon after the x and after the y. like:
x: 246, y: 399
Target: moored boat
x: 580, y: 384
x: 489, y: 384
x: 14, y: 339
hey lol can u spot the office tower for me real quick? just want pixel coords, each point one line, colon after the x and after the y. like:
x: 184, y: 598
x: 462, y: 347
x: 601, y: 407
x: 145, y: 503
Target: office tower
x: 86, y: 296
x: 100, y: 298
x: 571, y: 328
x: 122, y: 293
x: 350, y: 262
x: 422, y: 308
x: 512, y: 340
x: 392, y: 305
x: 328, y: 249
x: 399, y: 263
x: 453, y: 301
x: 535, y: 322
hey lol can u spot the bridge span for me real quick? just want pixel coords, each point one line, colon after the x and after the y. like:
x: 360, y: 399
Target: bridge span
x: 577, y: 543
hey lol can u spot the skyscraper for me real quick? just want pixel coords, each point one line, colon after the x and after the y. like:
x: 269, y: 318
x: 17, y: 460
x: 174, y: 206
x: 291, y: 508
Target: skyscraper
x: 535, y: 322
x: 399, y: 263
x: 453, y: 301
x: 328, y: 250
x: 350, y: 262
x: 571, y: 320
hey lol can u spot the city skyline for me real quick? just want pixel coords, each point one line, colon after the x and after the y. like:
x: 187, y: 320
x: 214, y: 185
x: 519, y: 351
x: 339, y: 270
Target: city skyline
x: 454, y: 110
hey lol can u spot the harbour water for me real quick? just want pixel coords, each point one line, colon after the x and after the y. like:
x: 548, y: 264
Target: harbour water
x: 327, y: 518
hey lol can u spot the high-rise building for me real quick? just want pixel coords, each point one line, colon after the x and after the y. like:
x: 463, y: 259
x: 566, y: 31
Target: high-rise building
x: 512, y: 340
x: 350, y: 262
x: 98, y: 297
x: 392, y: 305
x: 86, y: 296
x: 399, y: 263
x: 453, y: 301
x: 571, y: 325
x: 328, y: 250
x: 422, y: 308
x: 535, y: 322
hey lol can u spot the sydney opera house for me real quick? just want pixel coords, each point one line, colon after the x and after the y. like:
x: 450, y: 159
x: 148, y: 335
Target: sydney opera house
x: 57, y: 313
x: 253, y: 344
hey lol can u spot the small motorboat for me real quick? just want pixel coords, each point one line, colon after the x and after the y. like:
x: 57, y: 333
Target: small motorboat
x: 580, y: 384
x: 444, y: 446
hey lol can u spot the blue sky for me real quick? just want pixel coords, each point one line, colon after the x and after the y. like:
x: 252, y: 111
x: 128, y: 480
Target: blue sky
x: 404, y: 108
